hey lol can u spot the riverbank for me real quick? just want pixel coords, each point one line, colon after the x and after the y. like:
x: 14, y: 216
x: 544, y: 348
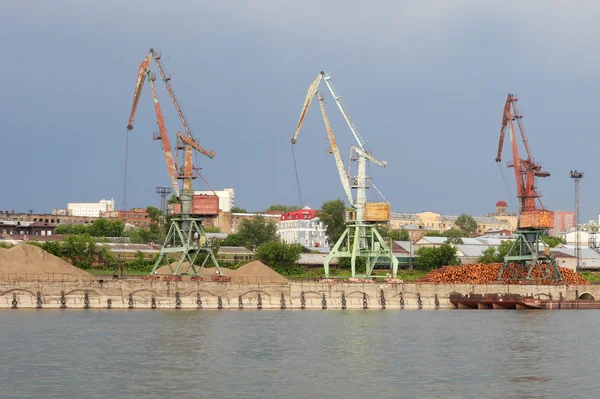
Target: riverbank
x: 302, y: 294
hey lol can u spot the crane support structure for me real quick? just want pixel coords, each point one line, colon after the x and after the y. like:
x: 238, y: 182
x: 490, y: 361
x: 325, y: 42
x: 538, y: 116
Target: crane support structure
x: 529, y: 259
x: 186, y: 241
x: 361, y: 240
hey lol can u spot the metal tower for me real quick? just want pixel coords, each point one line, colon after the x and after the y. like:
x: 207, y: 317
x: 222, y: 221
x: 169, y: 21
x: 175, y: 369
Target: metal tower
x: 163, y: 192
x: 576, y: 176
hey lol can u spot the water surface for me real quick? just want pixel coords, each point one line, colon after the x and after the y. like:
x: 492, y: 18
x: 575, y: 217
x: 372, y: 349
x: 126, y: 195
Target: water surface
x: 299, y: 354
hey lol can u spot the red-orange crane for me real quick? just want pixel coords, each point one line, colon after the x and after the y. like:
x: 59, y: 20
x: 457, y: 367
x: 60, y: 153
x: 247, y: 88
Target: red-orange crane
x: 185, y: 143
x: 186, y: 235
x: 529, y: 258
x: 526, y: 170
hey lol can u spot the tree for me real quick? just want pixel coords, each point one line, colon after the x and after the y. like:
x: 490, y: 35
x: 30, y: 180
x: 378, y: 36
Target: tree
x: 53, y: 247
x: 552, y: 241
x: 232, y: 240
x: 154, y: 214
x: 80, y: 250
x: 106, y: 228
x: 399, y: 235
x: 495, y: 255
x: 332, y: 216
x: 280, y: 256
x: 236, y: 209
x: 173, y: 200
x: 466, y: 223
x: 454, y: 240
x: 259, y: 230
x: 283, y: 208
x: 430, y: 258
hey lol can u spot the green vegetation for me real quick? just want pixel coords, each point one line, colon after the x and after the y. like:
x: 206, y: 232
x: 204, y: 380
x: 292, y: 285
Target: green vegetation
x: 99, y: 228
x: 332, y: 216
x: 466, y: 223
x: 592, y: 277
x: 495, y: 255
x: 283, y: 208
x: 259, y: 230
x: 281, y: 257
x: 430, y: 258
x: 236, y: 209
x: 399, y: 235
x: 553, y: 241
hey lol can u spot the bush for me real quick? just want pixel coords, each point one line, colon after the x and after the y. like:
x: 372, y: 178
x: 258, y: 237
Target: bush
x: 281, y: 257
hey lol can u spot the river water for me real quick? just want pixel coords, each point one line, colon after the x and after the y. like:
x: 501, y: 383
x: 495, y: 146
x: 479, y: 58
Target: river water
x: 299, y: 354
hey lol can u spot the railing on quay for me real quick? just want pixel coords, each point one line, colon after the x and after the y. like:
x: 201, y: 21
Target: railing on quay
x: 42, y: 277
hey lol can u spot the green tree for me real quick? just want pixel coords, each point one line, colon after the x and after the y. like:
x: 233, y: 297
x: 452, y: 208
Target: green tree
x: 173, y: 200
x: 332, y: 216
x: 106, y: 228
x: 280, y: 256
x: 72, y: 229
x: 430, y: 258
x: 495, y: 254
x: 232, y: 240
x: 454, y: 240
x: 53, y: 247
x: 237, y: 209
x: 399, y: 235
x: 466, y: 223
x: 553, y: 241
x: 259, y: 230
x: 283, y: 208
x: 154, y: 214
x: 80, y: 250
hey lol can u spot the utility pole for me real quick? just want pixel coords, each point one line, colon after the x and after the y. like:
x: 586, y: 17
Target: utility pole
x: 576, y: 176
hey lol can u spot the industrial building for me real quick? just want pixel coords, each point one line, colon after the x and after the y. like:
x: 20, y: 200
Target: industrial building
x: 87, y: 209
x: 226, y: 198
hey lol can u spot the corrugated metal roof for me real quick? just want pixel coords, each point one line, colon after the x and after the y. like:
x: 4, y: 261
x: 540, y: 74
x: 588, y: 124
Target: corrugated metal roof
x: 471, y: 251
x: 588, y: 253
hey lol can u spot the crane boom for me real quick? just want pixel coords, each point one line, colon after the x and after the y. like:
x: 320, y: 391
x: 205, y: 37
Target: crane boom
x: 142, y: 73
x: 164, y: 137
x: 310, y: 94
x: 526, y: 170
x: 336, y: 96
x: 191, y: 142
x: 336, y: 154
x: 368, y: 156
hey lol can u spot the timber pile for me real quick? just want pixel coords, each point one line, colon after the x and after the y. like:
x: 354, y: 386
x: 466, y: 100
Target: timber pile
x: 480, y: 273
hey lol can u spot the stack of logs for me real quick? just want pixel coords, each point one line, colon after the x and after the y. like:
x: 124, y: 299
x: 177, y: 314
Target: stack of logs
x: 480, y: 273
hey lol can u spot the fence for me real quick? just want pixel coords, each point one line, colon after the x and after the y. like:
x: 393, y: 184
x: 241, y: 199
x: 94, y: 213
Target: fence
x: 42, y: 277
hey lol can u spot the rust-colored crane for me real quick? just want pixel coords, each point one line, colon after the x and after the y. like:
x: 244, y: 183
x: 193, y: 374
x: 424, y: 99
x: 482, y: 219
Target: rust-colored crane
x: 186, y: 144
x: 526, y: 170
x: 529, y: 258
x: 186, y: 235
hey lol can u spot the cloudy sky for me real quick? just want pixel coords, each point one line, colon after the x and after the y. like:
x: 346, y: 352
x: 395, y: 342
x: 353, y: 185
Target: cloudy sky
x: 424, y: 81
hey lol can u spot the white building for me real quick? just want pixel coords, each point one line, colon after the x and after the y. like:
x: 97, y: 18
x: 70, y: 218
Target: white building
x: 226, y: 198
x: 302, y: 227
x: 90, y: 209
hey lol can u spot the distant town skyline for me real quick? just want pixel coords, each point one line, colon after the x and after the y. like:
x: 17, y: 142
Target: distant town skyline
x: 425, y: 82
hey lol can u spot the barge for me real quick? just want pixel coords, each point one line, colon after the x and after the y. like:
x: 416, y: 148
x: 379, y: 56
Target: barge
x: 516, y: 301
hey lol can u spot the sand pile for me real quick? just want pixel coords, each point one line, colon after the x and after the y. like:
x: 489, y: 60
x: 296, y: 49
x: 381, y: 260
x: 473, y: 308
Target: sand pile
x: 30, y: 259
x: 258, y: 270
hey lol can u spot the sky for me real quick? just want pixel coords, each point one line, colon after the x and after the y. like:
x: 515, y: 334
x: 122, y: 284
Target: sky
x: 424, y: 81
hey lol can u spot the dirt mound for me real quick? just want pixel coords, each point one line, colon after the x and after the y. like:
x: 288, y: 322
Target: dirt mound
x: 480, y: 273
x: 205, y: 271
x: 258, y: 270
x: 25, y: 259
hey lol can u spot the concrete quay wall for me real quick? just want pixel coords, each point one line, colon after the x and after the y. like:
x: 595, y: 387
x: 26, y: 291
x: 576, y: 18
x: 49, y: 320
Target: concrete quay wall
x: 147, y: 294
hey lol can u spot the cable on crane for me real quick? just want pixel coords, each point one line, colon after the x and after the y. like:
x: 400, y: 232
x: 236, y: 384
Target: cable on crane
x: 297, y: 178
x: 508, y: 190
